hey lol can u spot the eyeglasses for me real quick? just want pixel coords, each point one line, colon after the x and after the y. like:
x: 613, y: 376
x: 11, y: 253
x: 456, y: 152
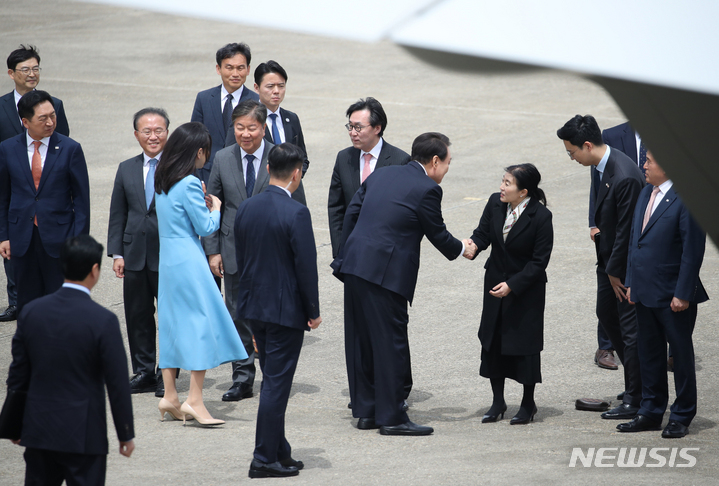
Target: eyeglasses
x: 26, y: 70
x: 157, y: 131
x: 356, y: 128
x: 571, y: 154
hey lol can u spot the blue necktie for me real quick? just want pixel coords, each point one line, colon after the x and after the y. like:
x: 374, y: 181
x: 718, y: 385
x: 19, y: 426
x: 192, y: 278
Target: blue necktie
x: 150, y: 182
x: 275, y: 130
x: 250, y: 177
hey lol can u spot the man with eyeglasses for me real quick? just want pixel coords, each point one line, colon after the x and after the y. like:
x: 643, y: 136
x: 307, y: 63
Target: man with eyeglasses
x: 23, y: 66
x: 134, y: 245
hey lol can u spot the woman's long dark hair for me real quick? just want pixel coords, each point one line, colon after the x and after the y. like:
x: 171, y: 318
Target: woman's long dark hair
x: 528, y: 177
x: 180, y: 153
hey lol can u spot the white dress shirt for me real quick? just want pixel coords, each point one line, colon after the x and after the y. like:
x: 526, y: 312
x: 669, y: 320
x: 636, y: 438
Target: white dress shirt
x: 256, y: 163
x: 235, y: 97
x: 280, y: 126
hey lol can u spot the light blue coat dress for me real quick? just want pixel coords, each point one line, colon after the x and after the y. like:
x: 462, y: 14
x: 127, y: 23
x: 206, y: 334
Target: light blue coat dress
x: 195, y: 329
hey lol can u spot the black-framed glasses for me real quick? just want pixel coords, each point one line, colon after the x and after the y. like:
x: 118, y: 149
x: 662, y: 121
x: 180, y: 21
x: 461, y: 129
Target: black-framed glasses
x: 26, y: 70
x: 356, y: 128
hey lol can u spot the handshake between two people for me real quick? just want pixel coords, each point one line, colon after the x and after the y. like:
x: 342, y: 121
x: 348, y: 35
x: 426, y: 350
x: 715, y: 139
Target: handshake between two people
x: 470, y: 249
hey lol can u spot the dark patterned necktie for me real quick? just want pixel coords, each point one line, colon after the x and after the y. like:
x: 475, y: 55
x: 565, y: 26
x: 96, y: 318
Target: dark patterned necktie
x: 250, y: 177
x: 227, y: 113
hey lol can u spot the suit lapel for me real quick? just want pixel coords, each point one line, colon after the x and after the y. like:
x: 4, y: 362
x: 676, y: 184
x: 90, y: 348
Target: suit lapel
x: 522, y: 222
x: 353, y: 166
x: 22, y: 157
x: 262, y: 175
x: 138, y: 179
x: 605, y: 183
x: 236, y: 170
x: 630, y: 143
x: 215, y: 107
x: 383, y: 159
x: 53, y: 153
x: 500, y: 215
x: 11, y: 112
x: 289, y: 127
x: 665, y: 203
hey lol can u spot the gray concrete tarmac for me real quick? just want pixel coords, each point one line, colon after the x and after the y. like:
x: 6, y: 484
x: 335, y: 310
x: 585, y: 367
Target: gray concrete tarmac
x: 105, y: 63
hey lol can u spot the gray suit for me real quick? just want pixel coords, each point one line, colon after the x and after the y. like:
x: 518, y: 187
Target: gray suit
x: 227, y: 182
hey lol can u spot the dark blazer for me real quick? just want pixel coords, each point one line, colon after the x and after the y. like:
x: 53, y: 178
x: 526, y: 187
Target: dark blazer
x: 132, y: 228
x: 384, y: 225
x: 208, y: 111
x: 11, y: 125
x: 521, y: 261
x: 276, y: 261
x: 346, y: 181
x: 665, y: 259
x: 618, y: 191
x: 65, y: 350
x: 293, y: 134
x: 61, y: 202
x: 227, y: 182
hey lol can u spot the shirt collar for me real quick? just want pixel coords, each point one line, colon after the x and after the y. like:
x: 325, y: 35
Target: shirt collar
x: 665, y: 186
x: 375, y: 150
x: 17, y: 97
x: 81, y: 288
x: 257, y: 153
x: 45, y: 141
x: 270, y: 112
x: 603, y: 163
x: 147, y: 158
x: 235, y: 96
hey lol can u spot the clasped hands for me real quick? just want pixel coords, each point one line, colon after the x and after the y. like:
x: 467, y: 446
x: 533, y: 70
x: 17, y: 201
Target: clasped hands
x: 470, y: 249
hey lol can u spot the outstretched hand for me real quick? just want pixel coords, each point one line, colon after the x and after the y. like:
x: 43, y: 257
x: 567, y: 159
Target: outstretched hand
x: 470, y: 249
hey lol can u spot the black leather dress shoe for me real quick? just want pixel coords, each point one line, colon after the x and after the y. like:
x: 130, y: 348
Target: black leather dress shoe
x: 367, y: 424
x: 623, y: 411
x: 405, y: 406
x: 349, y: 405
x: 237, y: 392
x: 274, y: 470
x: 10, y: 314
x: 620, y: 397
x: 143, y: 383
x: 674, y: 430
x: 640, y: 423
x: 291, y: 462
x: 407, y: 428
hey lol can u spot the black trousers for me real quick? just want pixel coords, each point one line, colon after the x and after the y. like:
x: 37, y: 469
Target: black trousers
x: 279, y: 348
x: 243, y: 371
x: 376, y: 350
x: 51, y: 468
x: 619, y: 320
x: 11, y: 287
x: 36, y: 272
x: 140, y: 293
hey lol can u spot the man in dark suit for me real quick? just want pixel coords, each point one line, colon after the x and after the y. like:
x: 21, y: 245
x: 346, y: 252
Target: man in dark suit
x: 369, y: 151
x: 44, y: 197
x: 134, y: 244
x: 278, y: 295
x: 666, y: 251
x: 624, y: 138
x: 23, y: 66
x: 378, y: 261
x: 282, y: 125
x: 620, y: 184
x: 66, y: 349
x: 213, y: 107
x: 239, y: 172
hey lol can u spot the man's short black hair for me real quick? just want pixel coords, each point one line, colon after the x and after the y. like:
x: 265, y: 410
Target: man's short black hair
x: 150, y: 111
x: 22, y: 54
x: 231, y: 50
x: 78, y: 255
x: 377, y: 115
x: 581, y: 129
x: 28, y: 102
x: 283, y: 159
x: 254, y: 108
x: 267, y: 68
x: 429, y: 144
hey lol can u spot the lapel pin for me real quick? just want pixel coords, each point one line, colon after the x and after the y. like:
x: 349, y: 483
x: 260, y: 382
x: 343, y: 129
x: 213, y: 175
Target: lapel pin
x: 57, y: 148
x: 607, y: 184
x: 287, y: 120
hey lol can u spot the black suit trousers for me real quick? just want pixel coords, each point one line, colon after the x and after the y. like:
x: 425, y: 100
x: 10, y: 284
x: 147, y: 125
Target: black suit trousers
x: 279, y: 348
x: 36, y: 272
x: 619, y: 320
x: 51, y: 468
x: 656, y: 328
x: 139, y: 293
x: 377, y: 350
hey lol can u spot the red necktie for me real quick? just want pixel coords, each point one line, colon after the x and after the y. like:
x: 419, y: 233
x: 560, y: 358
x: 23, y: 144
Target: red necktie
x: 36, y: 168
x: 366, y: 169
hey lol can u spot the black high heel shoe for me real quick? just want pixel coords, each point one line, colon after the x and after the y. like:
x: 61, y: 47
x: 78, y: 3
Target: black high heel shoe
x: 492, y: 413
x: 523, y: 417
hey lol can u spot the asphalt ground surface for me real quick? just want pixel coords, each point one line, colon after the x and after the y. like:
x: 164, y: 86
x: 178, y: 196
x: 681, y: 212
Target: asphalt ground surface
x: 105, y: 63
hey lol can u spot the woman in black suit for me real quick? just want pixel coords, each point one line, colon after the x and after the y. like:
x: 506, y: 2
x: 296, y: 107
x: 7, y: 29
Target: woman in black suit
x: 518, y: 225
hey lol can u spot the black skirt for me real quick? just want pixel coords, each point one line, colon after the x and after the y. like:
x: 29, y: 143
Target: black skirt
x: 523, y: 369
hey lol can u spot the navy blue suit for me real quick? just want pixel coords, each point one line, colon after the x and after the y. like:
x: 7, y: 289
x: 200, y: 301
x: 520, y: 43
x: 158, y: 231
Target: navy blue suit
x: 664, y: 262
x: 66, y: 349
x: 278, y: 293
x: 61, y: 204
x: 378, y: 261
x: 293, y: 134
x: 208, y: 111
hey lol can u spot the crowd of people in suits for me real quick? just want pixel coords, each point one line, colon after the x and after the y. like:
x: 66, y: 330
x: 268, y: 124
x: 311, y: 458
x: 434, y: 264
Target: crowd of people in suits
x: 221, y: 199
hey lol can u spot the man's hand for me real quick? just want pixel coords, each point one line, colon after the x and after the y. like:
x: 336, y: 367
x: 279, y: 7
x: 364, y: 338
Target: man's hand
x: 619, y: 288
x: 118, y: 266
x: 16, y: 442
x: 592, y: 232
x: 216, y: 265
x: 126, y: 448
x: 679, y: 305
x: 5, y: 249
x: 315, y: 323
x: 501, y: 290
x: 470, y: 249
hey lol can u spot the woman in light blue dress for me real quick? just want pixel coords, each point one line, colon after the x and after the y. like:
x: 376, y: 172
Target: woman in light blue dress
x: 195, y: 329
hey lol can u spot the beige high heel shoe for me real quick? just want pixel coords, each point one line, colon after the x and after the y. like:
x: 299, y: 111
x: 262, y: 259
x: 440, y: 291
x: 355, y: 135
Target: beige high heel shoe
x: 166, y: 407
x: 187, y: 409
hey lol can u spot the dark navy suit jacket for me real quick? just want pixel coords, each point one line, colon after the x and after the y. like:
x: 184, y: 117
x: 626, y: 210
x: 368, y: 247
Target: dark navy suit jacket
x: 384, y: 225
x: 664, y: 260
x: 293, y: 134
x: 66, y: 349
x: 276, y: 260
x: 11, y: 125
x: 208, y: 111
x: 61, y: 202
